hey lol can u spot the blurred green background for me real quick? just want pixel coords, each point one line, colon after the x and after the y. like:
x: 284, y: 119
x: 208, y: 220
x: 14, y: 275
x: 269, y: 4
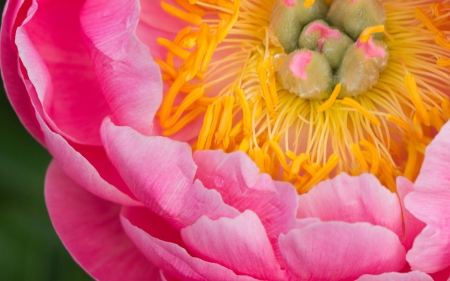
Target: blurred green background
x: 29, y: 247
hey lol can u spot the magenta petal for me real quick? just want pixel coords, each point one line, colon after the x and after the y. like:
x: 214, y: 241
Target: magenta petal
x: 341, y: 251
x: 160, y: 172
x: 431, y: 249
x: 15, y: 12
x: 129, y: 79
x: 395, y: 276
x: 90, y: 229
x: 79, y: 169
x: 412, y: 226
x: 174, y: 260
x: 240, y: 244
x: 353, y: 199
x: 60, y: 69
x: 435, y: 172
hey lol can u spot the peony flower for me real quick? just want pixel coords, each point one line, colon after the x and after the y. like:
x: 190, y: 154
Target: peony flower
x: 240, y: 140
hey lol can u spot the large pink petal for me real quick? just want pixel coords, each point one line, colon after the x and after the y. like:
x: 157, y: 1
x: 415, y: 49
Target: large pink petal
x: 77, y: 167
x: 435, y: 172
x: 13, y: 15
x: 353, y: 199
x: 412, y: 226
x: 128, y: 77
x: 240, y: 244
x: 241, y: 185
x: 341, y: 251
x: 170, y: 257
x: 90, y: 229
x: 431, y: 249
x: 50, y: 45
x: 395, y: 276
x: 160, y: 172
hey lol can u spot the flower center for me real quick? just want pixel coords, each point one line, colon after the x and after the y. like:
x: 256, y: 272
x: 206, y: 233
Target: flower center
x: 310, y: 89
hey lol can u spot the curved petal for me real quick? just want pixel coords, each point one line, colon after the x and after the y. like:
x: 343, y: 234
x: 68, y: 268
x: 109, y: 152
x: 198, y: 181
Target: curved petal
x: 236, y: 177
x: 412, y: 226
x: 77, y: 167
x: 240, y: 244
x: 173, y: 259
x: 395, y: 276
x: 60, y: 69
x: 160, y: 172
x: 431, y: 249
x: 353, y: 199
x: 341, y: 251
x: 13, y: 15
x: 90, y: 229
x: 122, y: 64
x: 434, y: 174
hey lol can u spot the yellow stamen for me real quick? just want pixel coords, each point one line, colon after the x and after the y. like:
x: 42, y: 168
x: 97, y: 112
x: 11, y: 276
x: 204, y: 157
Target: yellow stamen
x: 354, y: 104
x: 413, y: 91
x: 188, y: 101
x: 358, y: 154
x: 308, y: 3
x: 369, y: 31
x: 187, y: 17
x: 331, y: 99
x: 177, y: 50
x: 443, y: 61
x: 374, y: 153
x: 435, y: 118
x: 399, y: 122
x: 323, y: 172
x: 169, y: 99
x: 188, y: 118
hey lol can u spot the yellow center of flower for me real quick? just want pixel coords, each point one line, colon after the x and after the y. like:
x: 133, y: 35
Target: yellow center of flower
x: 223, y: 68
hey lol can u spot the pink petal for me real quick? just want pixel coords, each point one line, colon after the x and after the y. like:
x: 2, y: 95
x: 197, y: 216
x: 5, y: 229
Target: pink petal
x: 240, y: 244
x: 395, y: 276
x: 236, y: 177
x: 412, y: 226
x: 61, y: 70
x: 77, y: 167
x: 13, y: 15
x: 443, y: 275
x: 90, y: 229
x: 341, y: 251
x: 435, y: 172
x: 129, y: 79
x: 431, y: 249
x: 173, y: 259
x: 160, y: 172
x: 353, y: 199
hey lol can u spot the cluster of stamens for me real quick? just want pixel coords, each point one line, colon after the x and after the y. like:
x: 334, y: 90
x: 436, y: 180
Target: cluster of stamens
x: 303, y: 96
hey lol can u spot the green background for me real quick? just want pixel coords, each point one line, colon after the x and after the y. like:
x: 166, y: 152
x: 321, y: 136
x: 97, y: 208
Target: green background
x: 29, y: 247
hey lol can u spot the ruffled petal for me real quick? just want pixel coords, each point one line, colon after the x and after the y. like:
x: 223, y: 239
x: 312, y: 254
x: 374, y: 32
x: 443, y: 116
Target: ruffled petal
x: 341, y: 251
x: 160, y: 172
x: 128, y: 77
x: 90, y: 229
x: 60, y: 69
x: 13, y: 15
x: 431, y: 249
x: 353, y: 199
x: 77, y: 167
x: 435, y: 172
x: 236, y: 177
x: 412, y: 226
x: 173, y: 259
x: 395, y: 276
x: 240, y: 244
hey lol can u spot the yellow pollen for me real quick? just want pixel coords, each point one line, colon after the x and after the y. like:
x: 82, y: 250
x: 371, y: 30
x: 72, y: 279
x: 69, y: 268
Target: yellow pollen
x: 222, y: 70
